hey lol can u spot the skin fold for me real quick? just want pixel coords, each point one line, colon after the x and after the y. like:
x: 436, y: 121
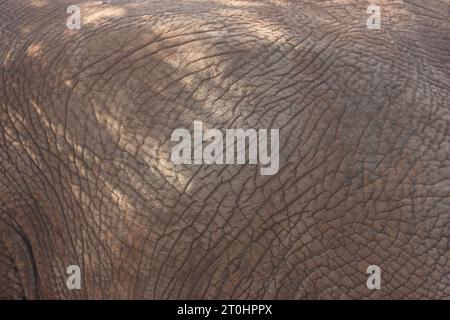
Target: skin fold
x: 86, y: 118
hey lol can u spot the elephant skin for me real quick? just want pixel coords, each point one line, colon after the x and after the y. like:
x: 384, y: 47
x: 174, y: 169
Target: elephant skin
x: 86, y: 176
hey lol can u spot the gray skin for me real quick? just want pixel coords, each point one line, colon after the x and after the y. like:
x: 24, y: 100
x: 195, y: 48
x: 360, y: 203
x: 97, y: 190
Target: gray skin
x: 85, y: 173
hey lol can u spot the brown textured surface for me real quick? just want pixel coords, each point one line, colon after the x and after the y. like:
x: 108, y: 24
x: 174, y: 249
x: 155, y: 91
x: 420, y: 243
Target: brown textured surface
x: 85, y: 172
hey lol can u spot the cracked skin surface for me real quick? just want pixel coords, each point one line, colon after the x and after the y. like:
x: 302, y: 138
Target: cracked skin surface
x: 85, y: 174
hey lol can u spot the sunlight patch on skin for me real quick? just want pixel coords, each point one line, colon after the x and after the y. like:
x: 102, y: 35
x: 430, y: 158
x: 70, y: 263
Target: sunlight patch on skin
x: 80, y: 196
x: 57, y: 128
x: 27, y: 29
x: 239, y: 3
x: 82, y: 155
x: 210, y: 99
x: 34, y: 50
x: 120, y: 199
x: 197, y: 60
x: 152, y: 155
x: 157, y: 162
x: 96, y: 16
x: 7, y: 58
x: 40, y: 112
x: 38, y: 3
x: 259, y: 27
x: 11, y: 137
x: 69, y: 83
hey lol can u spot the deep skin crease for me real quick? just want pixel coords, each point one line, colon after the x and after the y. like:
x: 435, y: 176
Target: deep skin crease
x: 86, y: 118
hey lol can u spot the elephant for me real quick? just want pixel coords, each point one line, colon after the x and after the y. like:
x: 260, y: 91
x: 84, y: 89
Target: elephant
x: 358, y: 207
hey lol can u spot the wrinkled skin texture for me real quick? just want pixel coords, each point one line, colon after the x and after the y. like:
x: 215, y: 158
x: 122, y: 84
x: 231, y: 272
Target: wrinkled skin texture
x: 86, y: 178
